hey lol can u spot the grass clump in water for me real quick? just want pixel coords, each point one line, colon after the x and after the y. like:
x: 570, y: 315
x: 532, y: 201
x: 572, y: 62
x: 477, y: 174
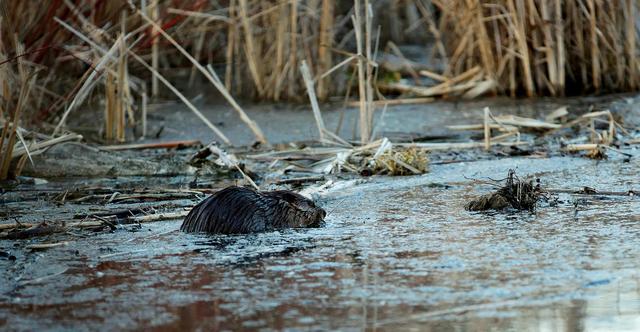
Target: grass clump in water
x: 513, y: 193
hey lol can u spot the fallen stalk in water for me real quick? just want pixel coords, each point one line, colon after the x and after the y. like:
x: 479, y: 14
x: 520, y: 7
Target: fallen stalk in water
x: 45, y: 246
x: 28, y: 230
x: 160, y: 145
x: 300, y: 180
x: 591, y: 191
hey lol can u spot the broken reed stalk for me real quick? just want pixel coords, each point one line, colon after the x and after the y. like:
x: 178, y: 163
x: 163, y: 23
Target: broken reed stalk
x: 154, y: 11
x: 630, y: 11
x: 36, y: 148
x: 365, y: 72
x: 122, y: 104
x: 250, y: 49
x: 325, y: 42
x: 161, y: 145
x: 322, y: 129
x: 231, y: 37
x: 293, y: 50
x: 357, y: 25
x: 368, y: 21
x: 487, y: 130
x: 304, y: 69
x: 280, y: 66
x: 459, y: 146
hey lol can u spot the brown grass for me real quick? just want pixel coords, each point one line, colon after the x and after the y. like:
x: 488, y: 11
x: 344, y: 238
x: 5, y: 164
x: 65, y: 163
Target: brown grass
x: 546, y: 47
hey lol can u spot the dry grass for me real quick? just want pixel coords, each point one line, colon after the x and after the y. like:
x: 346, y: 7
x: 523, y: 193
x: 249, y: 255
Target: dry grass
x: 84, y: 49
x: 546, y: 47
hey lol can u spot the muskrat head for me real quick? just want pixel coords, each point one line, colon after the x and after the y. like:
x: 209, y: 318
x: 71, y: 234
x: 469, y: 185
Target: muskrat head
x: 303, y: 211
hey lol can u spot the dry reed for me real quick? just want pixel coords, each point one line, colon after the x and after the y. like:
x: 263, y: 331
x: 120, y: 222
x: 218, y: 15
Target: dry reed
x: 546, y: 47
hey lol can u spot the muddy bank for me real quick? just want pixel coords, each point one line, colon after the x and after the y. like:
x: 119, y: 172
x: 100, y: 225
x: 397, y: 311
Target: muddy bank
x: 78, y: 160
x: 429, y: 124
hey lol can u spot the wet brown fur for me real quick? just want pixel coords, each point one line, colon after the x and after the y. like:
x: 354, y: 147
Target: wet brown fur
x: 240, y: 210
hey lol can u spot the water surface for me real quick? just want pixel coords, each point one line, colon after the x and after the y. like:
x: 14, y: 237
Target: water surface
x: 396, y: 253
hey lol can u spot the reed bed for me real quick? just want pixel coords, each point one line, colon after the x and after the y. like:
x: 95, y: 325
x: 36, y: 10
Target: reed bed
x: 71, y: 56
x: 84, y: 49
x: 546, y: 47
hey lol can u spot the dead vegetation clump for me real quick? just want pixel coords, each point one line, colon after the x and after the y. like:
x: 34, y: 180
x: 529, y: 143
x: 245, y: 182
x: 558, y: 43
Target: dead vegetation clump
x: 597, y: 154
x: 398, y: 162
x: 591, y: 134
x: 513, y: 193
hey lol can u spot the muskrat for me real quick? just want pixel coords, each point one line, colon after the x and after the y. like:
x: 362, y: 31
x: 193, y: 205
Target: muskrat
x: 241, y: 210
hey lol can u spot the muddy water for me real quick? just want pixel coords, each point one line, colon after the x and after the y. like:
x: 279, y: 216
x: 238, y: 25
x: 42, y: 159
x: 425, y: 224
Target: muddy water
x: 397, y: 253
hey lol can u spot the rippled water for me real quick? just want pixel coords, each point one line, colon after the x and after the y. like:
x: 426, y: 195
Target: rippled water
x: 396, y: 253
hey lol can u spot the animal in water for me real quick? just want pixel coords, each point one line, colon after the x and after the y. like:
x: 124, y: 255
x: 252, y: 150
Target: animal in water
x: 241, y: 210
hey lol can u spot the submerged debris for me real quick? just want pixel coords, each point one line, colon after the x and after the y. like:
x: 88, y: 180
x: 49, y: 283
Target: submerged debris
x: 597, y: 154
x: 222, y: 162
x: 92, y: 222
x: 515, y: 193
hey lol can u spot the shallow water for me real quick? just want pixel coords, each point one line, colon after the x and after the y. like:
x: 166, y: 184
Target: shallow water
x: 396, y: 253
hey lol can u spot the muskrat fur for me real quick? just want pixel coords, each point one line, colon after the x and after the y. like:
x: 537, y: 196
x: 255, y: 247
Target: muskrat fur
x: 241, y: 210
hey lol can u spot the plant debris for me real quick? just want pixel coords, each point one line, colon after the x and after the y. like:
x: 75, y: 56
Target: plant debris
x: 514, y: 193
x: 400, y: 161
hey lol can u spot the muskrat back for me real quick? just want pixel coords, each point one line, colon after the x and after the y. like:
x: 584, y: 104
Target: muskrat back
x: 241, y: 210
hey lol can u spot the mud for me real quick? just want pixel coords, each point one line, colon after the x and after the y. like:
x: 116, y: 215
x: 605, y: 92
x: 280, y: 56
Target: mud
x: 76, y: 160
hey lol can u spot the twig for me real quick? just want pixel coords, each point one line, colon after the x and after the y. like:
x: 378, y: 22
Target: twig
x: 159, y: 145
x: 41, y: 279
x: 44, y: 246
x: 300, y: 180
x: 306, y: 75
x: 592, y: 192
